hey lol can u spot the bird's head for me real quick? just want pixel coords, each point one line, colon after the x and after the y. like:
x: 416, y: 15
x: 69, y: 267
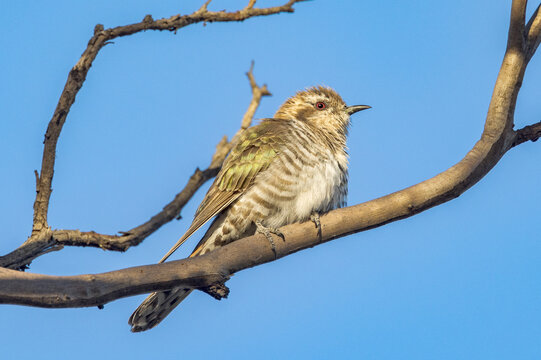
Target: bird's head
x: 321, y: 107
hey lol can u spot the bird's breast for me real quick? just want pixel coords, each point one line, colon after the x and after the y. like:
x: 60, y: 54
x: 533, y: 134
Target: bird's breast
x: 298, y: 184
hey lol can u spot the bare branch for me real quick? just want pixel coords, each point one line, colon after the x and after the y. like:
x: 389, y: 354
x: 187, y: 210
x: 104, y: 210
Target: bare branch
x: 516, y: 27
x: 533, y: 33
x: 527, y: 133
x: 48, y: 240
x: 257, y: 93
x: 78, y: 74
x: 215, y: 268
x: 210, y: 271
x: 92, y: 290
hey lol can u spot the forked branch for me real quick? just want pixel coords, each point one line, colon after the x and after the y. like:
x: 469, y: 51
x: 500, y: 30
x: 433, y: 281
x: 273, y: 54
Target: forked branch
x: 48, y: 240
x: 43, y: 239
x: 215, y: 267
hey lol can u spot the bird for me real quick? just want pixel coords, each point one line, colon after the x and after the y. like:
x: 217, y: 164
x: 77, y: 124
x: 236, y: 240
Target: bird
x: 288, y: 168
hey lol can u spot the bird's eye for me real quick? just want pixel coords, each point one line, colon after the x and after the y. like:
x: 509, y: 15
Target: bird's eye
x: 320, y: 105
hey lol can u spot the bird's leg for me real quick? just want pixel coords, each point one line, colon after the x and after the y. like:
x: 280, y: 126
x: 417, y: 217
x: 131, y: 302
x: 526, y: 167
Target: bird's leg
x: 267, y: 231
x: 315, y: 219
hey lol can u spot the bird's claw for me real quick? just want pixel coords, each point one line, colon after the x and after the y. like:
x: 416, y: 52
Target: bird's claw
x: 315, y: 219
x: 267, y: 231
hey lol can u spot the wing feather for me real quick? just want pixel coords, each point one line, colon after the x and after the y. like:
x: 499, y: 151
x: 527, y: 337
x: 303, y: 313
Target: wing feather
x: 253, y: 153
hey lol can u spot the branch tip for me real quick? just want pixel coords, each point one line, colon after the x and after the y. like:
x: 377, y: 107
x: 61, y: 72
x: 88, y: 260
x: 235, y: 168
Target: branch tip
x: 204, y: 7
x: 98, y: 28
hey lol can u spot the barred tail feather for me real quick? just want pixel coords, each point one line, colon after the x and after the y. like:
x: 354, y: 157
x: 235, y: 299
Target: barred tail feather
x: 156, y: 307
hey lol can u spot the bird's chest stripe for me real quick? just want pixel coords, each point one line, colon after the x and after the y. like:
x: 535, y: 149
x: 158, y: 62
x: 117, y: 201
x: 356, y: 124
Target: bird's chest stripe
x: 318, y: 187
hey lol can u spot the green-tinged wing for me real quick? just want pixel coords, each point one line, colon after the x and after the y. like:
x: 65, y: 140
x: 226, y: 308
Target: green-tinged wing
x: 253, y: 153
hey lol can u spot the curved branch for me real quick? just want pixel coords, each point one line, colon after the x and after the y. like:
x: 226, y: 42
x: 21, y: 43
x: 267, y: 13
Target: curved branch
x: 78, y: 74
x: 48, y: 240
x: 215, y: 267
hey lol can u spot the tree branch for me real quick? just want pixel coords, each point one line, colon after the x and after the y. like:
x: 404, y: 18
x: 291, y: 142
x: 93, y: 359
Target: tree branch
x: 78, y: 74
x: 216, y: 267
x: 527, y: 133
x: 43, y: 239
x: 533, y: 33
x: 48, y: 240
x: 516, y: 27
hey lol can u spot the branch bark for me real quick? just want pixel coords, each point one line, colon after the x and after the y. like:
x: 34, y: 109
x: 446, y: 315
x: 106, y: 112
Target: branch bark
x: 78, y: 74
x: 497, y: 138
x: 533, y: 33
x: 527, y: 133
x: 48, y: 240
x: 43, y: 239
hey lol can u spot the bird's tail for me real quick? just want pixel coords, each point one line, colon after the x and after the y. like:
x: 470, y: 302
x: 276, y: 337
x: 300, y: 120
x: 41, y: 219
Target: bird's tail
x: 156, y: 307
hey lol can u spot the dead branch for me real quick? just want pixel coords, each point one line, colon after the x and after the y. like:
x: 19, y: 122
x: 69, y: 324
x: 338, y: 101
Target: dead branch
x: 527, y: 133
x: 214, y: 268
x: 43, y: 239
x: 78, y: 74
x: 533, y: 33
x: 48, y: 240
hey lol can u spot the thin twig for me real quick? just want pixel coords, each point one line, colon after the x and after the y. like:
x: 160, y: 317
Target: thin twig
x: 257, y: 93
x: 41, y: 242
x: 79, y: 72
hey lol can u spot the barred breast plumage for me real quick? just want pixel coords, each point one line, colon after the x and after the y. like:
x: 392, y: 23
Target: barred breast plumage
x: 281, y: 171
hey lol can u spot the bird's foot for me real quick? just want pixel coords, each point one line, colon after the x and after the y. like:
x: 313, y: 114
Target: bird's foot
x: 267, y: 231
x: 315, y: 219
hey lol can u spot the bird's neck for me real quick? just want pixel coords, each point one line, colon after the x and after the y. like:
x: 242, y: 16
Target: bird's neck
x: 333, y: 139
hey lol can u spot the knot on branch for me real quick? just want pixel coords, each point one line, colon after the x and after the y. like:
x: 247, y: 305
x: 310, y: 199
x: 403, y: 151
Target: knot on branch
x: 98, y: 28
x: 218, y: 291
x: 148, y: 19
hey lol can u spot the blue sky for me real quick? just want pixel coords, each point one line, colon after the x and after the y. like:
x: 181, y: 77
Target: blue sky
x: 458, y: 281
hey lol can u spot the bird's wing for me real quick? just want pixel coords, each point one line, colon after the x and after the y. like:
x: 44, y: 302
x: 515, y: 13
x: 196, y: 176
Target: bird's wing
x: 253, y: 153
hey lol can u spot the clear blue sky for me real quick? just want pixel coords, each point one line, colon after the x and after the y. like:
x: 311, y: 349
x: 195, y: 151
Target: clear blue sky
x: 460, y: 281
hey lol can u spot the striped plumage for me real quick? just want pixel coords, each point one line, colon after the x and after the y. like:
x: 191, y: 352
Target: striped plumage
x: 279, y: 172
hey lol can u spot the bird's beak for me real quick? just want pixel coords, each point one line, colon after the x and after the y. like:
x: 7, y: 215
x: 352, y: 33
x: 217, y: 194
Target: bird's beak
x: 354, y: 108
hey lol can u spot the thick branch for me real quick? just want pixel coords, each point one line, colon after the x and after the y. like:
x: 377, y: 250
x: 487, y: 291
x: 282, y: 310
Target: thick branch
x: 78, y: 74
x: 215, y: 267
x: 48, y: 240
